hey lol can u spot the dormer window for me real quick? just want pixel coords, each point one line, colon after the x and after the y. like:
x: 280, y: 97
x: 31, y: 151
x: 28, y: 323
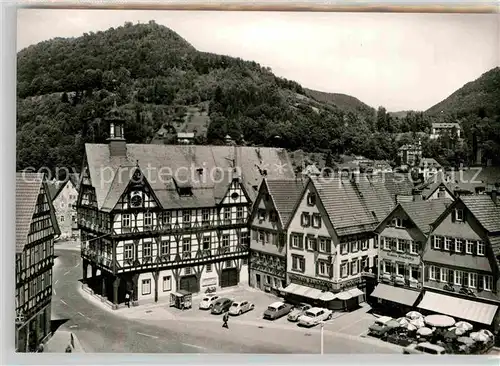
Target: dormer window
x: 397, y: 222
x: 306, y: 219
x: 311, y: 199
x: 262, y: 214
x: 459, y: 214
x: 185, y: 191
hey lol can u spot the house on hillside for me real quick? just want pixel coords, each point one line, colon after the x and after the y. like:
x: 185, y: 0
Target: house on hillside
x: 410, y: 154
x: 428, y: 167
x: 331, y: 244
x: 168, y: 217
x: 462, y: 262
x: 36, y: 229
x: 270, y: 215
x: 64, y: 196
x: 402, y: 236
x: 440, y: 129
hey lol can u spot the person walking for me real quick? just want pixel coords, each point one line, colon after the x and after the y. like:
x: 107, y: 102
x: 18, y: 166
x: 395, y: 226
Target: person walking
x: 225, y: 318
x: 127, y: 299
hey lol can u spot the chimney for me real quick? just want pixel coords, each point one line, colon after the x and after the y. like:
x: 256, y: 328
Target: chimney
x: 116, y: 141
x: 441, y: 192
x: 417, y: 195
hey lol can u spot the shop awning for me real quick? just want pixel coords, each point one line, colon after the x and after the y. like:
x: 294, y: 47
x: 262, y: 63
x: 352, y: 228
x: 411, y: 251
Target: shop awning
x: 395, y: 294
x: 300, y: 290
x: 345, y: 295
x: 473, y: 311
x: 327, y: 296
x: 356, y: 292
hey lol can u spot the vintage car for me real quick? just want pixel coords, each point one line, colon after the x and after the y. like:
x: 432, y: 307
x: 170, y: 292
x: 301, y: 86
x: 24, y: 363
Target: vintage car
x: 382, y: 325
x: 277, y: 310
x: 208, y: 301
x: 240, y: 307
x: 298, y: 311
x: 314, y: 316
x: 221, y: 305
x: 424, y: 348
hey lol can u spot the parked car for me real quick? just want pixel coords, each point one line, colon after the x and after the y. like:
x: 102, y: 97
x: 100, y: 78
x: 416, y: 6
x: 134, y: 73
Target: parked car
x: 221, y: 305
x: 314, y: 316
x: 240, y: 307
x: 382, y: 325
x: 277, y: 310
x: 208, y: 301
x: 298, y: 311
x: 424, y: 348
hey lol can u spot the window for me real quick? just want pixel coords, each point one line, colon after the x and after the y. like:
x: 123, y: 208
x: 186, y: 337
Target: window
x: 364, y: 264
x: 344, y: 248
x: 488, y: 283
x: 459, y: 245
x: 146, y: 250
x: 165, y: 244
x: 355, y: 246
x: 225, y: 240
x: 447, y: 243
x: 322, y: 245
x: 267, y: 237
x: 205, y: 216
x: 206, y: 242
x: 148, y: 219
x: 311, y: 199
x: 469, y: 246
x: 444, y: 275
x: 316, y: 221
x: 354, y: 267
x: 387, y: 267
x: 209, y: 267
x: 298, y: 263
x: 306, y: 219
x: 126, y: 220
x: 129, y: 251
x: 433, y: 273
x: 401, y: 245
x: 186, y: 217
x: 364, y: 244
x: 295, y: 241
x: 343, y: 269
x: 386, y: 244
x: 311, y: 243
x: 268, y: 280
x: 480, y: 248
x: 415, y: 247
x: 186, y: 245
x: 239, y: 213
x: 245, y: 262
x: 473, y: 280
x: 167, y: 218
x: 262, y: 237
x: 167, y: 283
x: 397, y: 222
x: 146, y: 287
x: 459, y: 214
x: 322, y: 269
x: 187, y: 271
x: 400, y: 269
x: 438, y: 242
x: 62, y: 219
x: 227, y: 214
x: 262, y: 214
x: 458, y: 278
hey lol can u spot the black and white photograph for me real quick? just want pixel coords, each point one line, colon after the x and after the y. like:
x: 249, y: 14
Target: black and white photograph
x: 257, y: 182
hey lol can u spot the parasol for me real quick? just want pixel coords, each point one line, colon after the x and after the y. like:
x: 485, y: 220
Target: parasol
x: 479, y: 337
x: 464, y: 325
x: 465, y: 340
x: 436, y: 320
x: 414, y: 315
x: 403, y: 321
x: 418, y: 322
x: 487, y: 332
x: 457, y: 331
x: 409, y: 327
x: 424, y: 331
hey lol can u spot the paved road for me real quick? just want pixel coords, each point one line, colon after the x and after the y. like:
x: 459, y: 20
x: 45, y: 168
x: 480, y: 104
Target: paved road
x: 101, y: 331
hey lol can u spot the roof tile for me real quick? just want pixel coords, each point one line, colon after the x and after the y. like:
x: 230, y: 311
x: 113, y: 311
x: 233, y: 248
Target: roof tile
x: 484, y: 210
x: 424, y: 213
x: 285, y: 193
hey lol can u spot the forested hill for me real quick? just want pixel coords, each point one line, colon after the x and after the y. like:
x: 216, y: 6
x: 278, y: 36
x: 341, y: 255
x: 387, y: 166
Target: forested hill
x: 65, y: 86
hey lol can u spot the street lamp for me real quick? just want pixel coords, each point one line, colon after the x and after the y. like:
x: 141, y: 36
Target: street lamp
x: 322, y: 324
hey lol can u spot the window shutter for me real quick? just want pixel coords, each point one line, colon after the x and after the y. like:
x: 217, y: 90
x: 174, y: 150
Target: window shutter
x: 453, y: 215
x: 451, y: 276
x: 394, y: 244
x: 315, y: 244
x: 255, y: 234
x: 317, y: 268
x: 348, y: 266
x: 301, y: 242
x: 426, y: 273
x: 291, y: 240
x: 328, y: 246
x: 465, y: 279
x: 480, y: 284
x: 330, y: 270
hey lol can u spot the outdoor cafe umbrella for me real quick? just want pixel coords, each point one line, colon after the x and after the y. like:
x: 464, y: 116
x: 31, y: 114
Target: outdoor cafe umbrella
x: 403, y: 321
x: 487, y: 332
x: 409, y: 327
x: 436, y: 320
x: 418, y: 322
x: 464, y: 325
x: 465, y: 340
x: 480, y: 337
x: 457, y: 331
x: 424, y: 331
x: 414, y: 315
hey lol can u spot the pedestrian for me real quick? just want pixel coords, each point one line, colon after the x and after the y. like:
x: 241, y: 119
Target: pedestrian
x: 225, y: 318
x: 40, y: 347
x: 68, y: 349
x: 127, y: 299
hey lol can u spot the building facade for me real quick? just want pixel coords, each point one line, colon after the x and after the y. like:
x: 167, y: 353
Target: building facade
x: 64, y: 197
x: 331, y: 241
x: 440, y: 129
x: 168, y: 217
x: 410, y: 154
x: 36, y: 228
x: 462, y: 262
x: 402, y: 236
x: 271, y: 212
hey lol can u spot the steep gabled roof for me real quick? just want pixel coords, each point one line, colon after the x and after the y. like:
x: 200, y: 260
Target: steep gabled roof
x: 425, y: 213
x: 375, y: 195
x: 28, y: 187
x: 285, y: 194
x: 398, y: 184
x: 484, y: 210
x: 53, y: 188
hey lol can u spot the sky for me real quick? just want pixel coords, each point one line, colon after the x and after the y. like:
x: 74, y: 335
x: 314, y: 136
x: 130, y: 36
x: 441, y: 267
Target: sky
x: 399, y: 61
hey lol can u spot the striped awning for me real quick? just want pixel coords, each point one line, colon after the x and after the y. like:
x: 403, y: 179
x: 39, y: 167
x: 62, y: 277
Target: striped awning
x: 305, y: 291
x: 356, y: 292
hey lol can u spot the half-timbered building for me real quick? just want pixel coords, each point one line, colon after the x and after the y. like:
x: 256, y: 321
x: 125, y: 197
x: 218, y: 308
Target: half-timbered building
x: 271, y: 212
x: 159, y: 218
x: 36, y: 228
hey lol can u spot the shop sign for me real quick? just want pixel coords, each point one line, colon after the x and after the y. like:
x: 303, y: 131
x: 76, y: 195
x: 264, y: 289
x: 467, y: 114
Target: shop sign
x: 311, y: 282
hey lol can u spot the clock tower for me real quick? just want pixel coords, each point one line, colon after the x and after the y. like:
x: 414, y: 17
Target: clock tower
x: 116, y: 140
